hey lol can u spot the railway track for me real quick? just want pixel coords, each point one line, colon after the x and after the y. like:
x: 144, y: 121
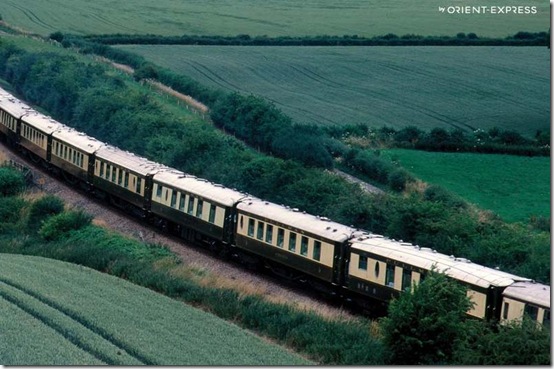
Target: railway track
x: 220, y: 272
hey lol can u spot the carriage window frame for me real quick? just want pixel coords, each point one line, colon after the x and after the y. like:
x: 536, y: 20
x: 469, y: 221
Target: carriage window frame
x: 280, y: 237
x: 316, y: 253
x: 292, y: 241
x: 362, y: 262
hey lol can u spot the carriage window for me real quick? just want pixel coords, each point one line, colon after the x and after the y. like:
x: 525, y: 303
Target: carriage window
x: 317, y: 250
x: 137, y: 189
x: 406, y: 279
x: 280, y: 237
x: 120, y: 177
x: 159, y: 191
x: 126, y: 182
x: 114, y: 169
x: 260, y: 233
x: 101, y: 169
x: 505, y: 311
x: 269, y: 234
x: 173, y: 199
x: 362, y: 262
x: 292, y: 242
x: 389, y: 278
x: 377, y: 269
x: 191, y: 205
x: 199, y: 208
x: 182, y: 202
x: 532, y: 311
x: 304, y: 246
x: 211, y: 218
x: 251, y: 227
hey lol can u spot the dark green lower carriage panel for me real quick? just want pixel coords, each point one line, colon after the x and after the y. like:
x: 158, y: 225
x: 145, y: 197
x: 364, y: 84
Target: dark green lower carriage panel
x: 188, y: 221
x: 121, y: 192
x: 70, y: 168
x: 373, y: 290
x: 32, y: 147
x: 285, y: 258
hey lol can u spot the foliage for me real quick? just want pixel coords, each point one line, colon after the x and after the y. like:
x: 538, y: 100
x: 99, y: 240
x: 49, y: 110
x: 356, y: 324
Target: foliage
x: 57, y: 225
x: 425, y: 327
x: 519, y: 39
x: 11, y: 182
x: 10, y: 209
x: 44, y: 208
x: 515, y: 343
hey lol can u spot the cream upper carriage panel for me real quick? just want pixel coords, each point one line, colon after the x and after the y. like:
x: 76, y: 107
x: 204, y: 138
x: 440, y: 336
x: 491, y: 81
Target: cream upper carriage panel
x: 194, y: 196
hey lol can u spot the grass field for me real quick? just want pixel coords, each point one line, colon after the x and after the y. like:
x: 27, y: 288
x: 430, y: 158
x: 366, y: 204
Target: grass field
x: 469, y: 87
x: 514, y: 187
x: 271, y: 17
x: 55, y: 313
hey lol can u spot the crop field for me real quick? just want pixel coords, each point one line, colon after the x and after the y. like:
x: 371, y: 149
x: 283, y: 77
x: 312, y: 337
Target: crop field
x: 55, y: 313
x: 449, y: 87
x: 271, y: 17
x: 514, y: 187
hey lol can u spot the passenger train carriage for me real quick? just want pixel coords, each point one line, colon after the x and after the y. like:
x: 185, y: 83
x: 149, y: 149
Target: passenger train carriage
x: 303, y: 242
x: 73, y: 152
x: 334, y: 258
x: 125, y: 177
x: 201, y: 210
x: 381, y: 268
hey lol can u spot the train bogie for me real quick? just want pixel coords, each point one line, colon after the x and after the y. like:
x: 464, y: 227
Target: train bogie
x: 201, y: 206
x: 308, y: 244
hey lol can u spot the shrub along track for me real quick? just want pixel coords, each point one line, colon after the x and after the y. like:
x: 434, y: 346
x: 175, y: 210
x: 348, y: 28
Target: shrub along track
x: 220, y: 273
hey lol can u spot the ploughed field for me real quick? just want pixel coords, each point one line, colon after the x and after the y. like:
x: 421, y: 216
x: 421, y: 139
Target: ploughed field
x: 428, y: 87
x: 56, y: 313
x: 270, y: 17
x: 514, y: 187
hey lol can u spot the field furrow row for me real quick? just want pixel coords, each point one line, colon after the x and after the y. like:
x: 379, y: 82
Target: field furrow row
x: 79, y: 331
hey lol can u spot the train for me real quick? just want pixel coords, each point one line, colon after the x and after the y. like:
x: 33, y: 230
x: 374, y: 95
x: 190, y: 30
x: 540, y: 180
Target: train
x: 340, y: 261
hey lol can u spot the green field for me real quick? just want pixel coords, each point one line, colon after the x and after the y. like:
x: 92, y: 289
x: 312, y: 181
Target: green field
x: 514, y: 187
x: 271, y: 17
x: 464, y: 87
x: 55, y: 313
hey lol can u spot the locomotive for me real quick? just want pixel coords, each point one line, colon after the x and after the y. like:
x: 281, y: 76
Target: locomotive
x: 335, y: 259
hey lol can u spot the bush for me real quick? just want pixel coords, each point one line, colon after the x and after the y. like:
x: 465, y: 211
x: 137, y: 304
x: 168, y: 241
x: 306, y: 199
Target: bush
x: 436, y: 193
x: 55, y: 227
x: 43, y: 208
x: 398, y: 179
x: 10, y: 209
x: 11, y: 182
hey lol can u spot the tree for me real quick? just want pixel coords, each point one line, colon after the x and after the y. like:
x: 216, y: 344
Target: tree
x: 425, y: 326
